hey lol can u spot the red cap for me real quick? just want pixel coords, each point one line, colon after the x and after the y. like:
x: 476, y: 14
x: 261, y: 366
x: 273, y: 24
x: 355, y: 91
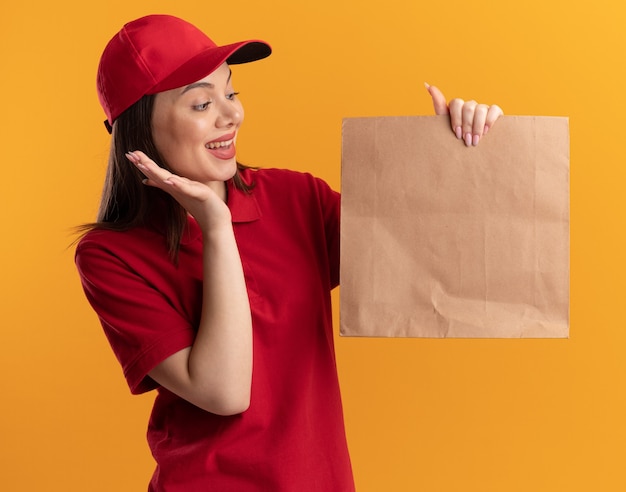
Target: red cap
x: 157, y: 53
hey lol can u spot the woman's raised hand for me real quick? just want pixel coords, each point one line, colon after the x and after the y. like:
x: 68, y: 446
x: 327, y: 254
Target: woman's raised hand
x: 469, y: 120
x: 199, y: 199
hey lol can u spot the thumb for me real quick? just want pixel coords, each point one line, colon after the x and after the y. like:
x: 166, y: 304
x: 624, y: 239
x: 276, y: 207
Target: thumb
x: 439, y: 100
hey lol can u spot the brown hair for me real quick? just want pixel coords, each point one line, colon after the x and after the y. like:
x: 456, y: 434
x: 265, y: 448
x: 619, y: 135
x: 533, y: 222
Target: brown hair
x: 126, y: 202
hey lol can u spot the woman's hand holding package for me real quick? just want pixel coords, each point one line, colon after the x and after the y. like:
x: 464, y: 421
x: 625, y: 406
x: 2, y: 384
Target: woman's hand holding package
x: 469, y: 120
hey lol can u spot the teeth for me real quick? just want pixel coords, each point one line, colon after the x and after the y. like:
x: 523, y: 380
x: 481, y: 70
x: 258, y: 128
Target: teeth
x: 217, y: 145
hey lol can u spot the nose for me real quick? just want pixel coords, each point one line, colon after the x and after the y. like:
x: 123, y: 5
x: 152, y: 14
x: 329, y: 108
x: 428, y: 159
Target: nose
x: 230, y: 114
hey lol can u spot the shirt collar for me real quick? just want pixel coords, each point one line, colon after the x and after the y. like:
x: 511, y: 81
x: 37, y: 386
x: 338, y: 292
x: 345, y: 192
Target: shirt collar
x: 243, y: 206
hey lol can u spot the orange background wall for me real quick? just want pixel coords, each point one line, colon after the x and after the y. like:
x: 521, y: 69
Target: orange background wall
x: 430, y: 415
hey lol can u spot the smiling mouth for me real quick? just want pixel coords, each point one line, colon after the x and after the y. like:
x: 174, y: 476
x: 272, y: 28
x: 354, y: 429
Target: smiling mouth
x: 219, y: 145
x: 222, y: 149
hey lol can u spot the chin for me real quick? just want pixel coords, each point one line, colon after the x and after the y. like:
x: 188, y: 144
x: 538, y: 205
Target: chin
x: 225, y: 170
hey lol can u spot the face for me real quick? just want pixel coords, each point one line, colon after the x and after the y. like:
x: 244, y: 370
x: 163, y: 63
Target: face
x: 195, y: 128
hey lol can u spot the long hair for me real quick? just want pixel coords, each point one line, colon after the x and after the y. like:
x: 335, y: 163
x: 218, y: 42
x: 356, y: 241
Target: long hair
x: 126, y: 202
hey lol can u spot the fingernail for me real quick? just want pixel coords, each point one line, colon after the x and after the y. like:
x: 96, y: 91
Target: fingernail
x: 468, y: 139
x: 486, y: 130
x: 475, y: 140
x: 135, y: 160
x: 459, y: 132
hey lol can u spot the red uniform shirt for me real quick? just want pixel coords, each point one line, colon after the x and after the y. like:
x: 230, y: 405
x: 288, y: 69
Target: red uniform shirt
x: 292, y: 437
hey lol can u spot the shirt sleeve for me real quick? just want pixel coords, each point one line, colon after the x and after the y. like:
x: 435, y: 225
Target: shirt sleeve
x: 331, y: 208
x: 140, y: 322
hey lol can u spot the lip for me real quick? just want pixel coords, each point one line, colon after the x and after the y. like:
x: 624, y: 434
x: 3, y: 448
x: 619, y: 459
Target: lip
x: 223, y: 138
x: 223, y: 153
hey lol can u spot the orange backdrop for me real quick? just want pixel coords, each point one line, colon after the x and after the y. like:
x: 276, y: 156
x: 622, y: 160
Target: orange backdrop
x: 431, y: 415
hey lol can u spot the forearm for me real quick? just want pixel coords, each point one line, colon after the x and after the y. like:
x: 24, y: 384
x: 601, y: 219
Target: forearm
x: 215, y: 373
x: 220, y: 361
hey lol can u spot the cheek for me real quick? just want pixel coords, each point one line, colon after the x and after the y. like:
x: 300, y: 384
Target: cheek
x: 162, y: 135
x: 164, y: 143
x: 171, y: 138
x: 170, y: 131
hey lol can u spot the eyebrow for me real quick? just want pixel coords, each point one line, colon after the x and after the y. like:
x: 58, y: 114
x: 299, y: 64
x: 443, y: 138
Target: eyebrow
x: 195, y: 85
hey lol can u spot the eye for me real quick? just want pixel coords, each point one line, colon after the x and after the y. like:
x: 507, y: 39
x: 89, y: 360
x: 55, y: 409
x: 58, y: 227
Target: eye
x: 201, y: 107
x: 232, y: 96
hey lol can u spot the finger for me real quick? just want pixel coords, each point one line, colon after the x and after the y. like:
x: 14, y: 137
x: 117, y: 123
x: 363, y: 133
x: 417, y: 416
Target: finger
x: 179, y: 187
x: 467, y: 115
x: 155, y: 175
x: 478, y: 125
x: 140, y: 160
x: 492, y: 115
x: 439, y: 100
x: 467, y: 120
x: 147, y: 166
x: 456, y: 116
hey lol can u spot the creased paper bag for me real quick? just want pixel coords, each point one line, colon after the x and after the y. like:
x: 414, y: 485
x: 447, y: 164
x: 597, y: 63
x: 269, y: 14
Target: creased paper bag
x: 443, y: 240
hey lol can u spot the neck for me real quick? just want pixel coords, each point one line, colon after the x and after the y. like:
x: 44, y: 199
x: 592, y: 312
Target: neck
x: 220, y: 188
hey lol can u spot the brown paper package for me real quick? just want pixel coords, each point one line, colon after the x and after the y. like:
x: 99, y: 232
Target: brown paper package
x: 443, y: 240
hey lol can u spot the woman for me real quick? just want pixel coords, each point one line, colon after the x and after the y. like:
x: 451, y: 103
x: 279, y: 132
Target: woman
x: 212, y: 280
